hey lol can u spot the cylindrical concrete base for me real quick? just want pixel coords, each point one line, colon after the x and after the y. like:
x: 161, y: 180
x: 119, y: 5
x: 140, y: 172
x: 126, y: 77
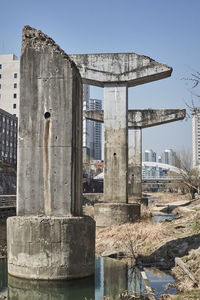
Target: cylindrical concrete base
x: 51, y: 248
x: 107, y: 214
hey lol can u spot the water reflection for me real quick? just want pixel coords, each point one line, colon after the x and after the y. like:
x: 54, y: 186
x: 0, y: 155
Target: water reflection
x: 159, y: 281
x: 19, y: 289
x: 3, y: 277
x: 112, y: 277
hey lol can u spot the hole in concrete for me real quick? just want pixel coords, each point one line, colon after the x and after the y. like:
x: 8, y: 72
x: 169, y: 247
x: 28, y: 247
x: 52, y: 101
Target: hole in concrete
x: 114, y: 154
x: 47, y: 115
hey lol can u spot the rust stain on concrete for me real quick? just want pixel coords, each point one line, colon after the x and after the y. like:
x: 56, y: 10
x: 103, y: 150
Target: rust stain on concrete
x: 46, y: 157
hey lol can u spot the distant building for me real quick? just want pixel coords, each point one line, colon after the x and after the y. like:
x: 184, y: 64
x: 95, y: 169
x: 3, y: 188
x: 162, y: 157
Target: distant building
x: 9, y: 83
x: 86, y: 96
x: 196, y: 138
x: 149, y: 155
x: 8, y: 137
x: 95, y: 131
x: 168, y: 157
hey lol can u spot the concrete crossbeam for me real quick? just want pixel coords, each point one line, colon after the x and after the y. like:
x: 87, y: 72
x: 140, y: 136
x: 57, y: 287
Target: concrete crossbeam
x: 152, y: 117
x: 134, y: 69
x: 142, y: 118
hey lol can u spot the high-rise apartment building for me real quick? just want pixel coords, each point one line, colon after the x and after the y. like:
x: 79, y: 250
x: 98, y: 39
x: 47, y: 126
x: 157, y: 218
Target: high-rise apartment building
x: 86, y: 96
x: 149, y: 155
x: 8, y: 137
x: 95, y: 131
x: 168, y: 157
x: 196, y: 138
x: 9, y: 83
x: 91, y: 130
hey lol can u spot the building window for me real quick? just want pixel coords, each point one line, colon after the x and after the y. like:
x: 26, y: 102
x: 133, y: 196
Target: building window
x: 14, y: 105
x: 0, y: 86
x: 15, y: 75
x: 0, y: 76
x: 14, y: 96
x: 0, y: 66
x: 15, y: 85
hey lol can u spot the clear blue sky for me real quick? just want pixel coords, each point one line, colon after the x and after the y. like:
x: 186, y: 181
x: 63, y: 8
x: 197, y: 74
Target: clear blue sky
x: 166, y: 30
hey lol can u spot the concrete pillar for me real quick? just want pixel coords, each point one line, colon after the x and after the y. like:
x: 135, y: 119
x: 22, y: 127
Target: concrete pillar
x: 115, y: 143
x: 116, y: 209
x: 49, y: 238
x: 116, y: 72
x: 134, y: 164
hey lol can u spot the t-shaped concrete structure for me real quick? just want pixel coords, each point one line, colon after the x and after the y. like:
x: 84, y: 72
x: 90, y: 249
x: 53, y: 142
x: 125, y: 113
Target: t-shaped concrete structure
x: 49, y: 238
x: 117, y: 72
x: 137, y: 120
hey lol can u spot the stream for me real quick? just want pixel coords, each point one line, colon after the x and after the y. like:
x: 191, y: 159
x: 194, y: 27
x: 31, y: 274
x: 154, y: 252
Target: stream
x: 112, y: 278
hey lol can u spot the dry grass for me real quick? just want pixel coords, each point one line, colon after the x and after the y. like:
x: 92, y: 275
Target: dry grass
x: 192, y: 260
x: 131, y: 239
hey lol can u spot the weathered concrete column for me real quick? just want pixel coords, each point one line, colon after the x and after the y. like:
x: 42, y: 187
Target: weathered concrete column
x: 115, y: 143
x: 134, y: 164
x: 116, y: 72
x: 49, y: 238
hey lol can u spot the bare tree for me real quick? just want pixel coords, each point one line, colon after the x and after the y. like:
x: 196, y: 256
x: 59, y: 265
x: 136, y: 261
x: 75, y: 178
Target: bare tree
x: 190, y: 177
x: 194, y: 89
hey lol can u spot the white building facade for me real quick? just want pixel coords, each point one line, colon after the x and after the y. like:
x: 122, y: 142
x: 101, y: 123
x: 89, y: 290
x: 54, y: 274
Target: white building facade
x: 9, y: 83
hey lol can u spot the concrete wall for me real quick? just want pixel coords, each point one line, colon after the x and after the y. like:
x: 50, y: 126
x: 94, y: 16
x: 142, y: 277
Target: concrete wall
x: 50, y: 130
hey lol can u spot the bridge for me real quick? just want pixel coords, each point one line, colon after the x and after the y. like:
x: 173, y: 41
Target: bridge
x: 168, y: 168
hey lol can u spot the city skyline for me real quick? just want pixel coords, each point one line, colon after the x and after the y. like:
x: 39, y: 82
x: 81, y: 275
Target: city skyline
x: 165, y: 31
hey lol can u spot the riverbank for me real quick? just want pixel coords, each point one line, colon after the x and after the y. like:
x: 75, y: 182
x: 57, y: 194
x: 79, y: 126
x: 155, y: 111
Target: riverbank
x: 158, y: 244
x: 154, y: 244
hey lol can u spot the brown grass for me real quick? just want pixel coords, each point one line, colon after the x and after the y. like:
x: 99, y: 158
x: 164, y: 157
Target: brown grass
x: 129, y: 238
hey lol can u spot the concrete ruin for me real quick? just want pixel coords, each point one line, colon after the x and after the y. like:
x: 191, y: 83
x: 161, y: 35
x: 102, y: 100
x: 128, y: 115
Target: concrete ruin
x: 115, y: 73
x: 49, y: 238
x: 137, y: 120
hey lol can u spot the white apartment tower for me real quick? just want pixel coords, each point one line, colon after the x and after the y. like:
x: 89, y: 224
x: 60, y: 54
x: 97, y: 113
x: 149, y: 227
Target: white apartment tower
x: 9, y: 83
x: 149, y: 155
x: 196, y: 138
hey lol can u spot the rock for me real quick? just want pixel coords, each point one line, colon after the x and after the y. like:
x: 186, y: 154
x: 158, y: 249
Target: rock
x: 112, y: 254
